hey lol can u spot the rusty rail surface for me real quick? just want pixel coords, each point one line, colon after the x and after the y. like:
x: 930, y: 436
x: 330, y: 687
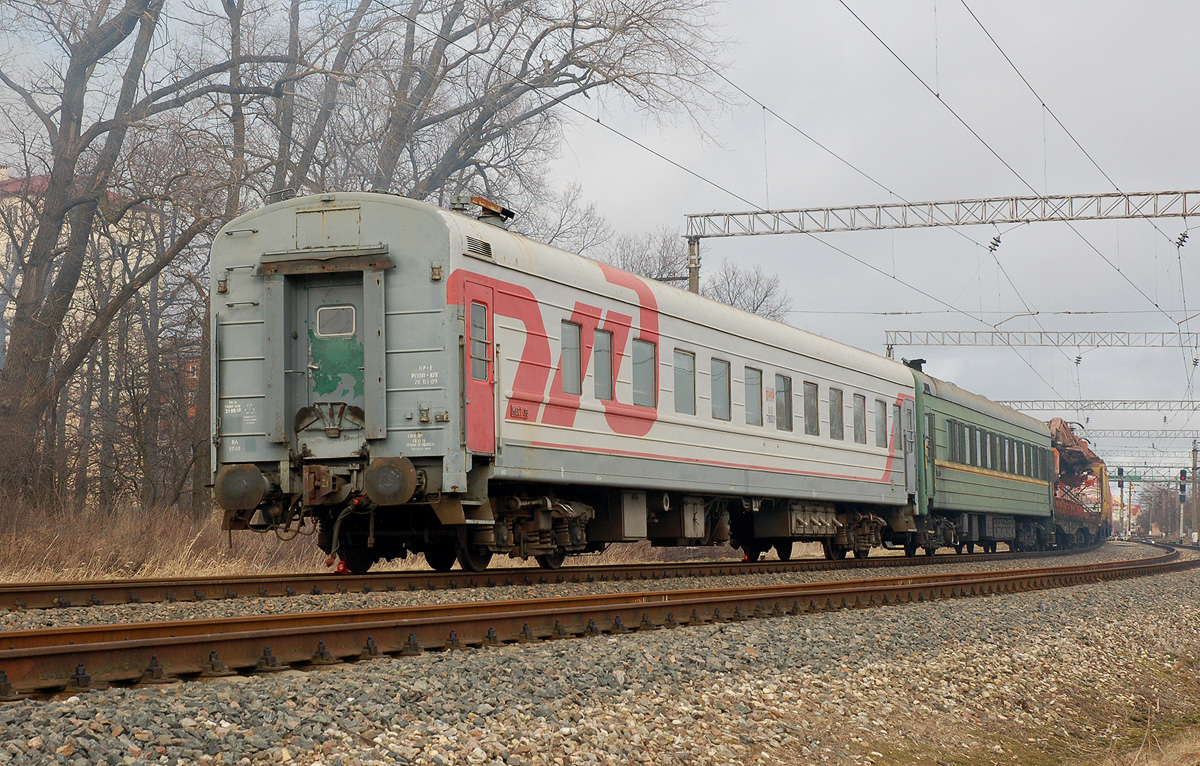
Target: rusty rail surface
x: 47, y: 595
x: 86, y: 657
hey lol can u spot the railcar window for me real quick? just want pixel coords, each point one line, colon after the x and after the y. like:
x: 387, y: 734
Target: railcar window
x: 993, y: 452
x: 645, y: 374
x: 479, y: 341
x: 335, y: 321
x: 602, y: 366
x: 572, y: 350
x: 881, y: 434
x: 983, y: 445
x: 685, y: 382
x: 972, y: 446
x: 1012, y: 456
x: 812, y: 414
x: 753, y: 397
x: 837, y: 423
x: 860, y: 419
x: 719, y: 381
x: 783, y: 403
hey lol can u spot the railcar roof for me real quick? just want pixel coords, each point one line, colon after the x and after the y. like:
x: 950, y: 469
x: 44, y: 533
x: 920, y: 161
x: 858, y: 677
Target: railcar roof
x: 516, y: 251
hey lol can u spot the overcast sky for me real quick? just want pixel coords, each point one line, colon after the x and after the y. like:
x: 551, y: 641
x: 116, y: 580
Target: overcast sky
x: 1121, y: 76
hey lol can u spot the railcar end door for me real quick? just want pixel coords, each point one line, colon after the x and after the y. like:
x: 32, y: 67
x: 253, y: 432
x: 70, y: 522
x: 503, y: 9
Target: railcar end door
x: 326, y: 354
x: 909, y: 432
x: 480, y: 369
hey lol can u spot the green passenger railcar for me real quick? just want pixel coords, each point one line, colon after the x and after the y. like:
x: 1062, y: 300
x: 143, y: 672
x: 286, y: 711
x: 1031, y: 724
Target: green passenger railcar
x: 985, y: 469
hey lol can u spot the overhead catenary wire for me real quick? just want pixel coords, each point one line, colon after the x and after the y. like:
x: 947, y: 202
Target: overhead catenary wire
x: 1000, y: 158
x: 1189, y: 373
x: 767, y: 109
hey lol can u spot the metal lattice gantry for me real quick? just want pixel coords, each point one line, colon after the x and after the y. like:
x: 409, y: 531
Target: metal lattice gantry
x: 964, y: 212
x: 1147, y: 473
x: 1099, y: 339
x: 1138, y: 433
x: 1103, y: 405
x: 1173, y: 456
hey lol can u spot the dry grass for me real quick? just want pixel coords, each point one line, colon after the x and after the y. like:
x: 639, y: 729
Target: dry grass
x: 1185, y: 752
x: 129, y: 542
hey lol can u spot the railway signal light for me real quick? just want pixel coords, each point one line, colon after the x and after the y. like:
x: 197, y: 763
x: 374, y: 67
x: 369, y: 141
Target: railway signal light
x: 1120, y: 478
x: 1183, y: 485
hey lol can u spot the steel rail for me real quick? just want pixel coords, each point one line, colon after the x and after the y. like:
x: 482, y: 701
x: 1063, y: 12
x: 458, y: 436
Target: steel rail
x: 80, y: 658
x: 48, y: 595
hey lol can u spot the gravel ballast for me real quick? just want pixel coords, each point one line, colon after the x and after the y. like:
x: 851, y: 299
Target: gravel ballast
x: 1043, y: 677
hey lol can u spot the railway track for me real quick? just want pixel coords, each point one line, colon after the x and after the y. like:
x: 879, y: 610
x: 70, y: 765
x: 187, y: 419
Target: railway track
x: 50, y: 660
x: 49, y: 595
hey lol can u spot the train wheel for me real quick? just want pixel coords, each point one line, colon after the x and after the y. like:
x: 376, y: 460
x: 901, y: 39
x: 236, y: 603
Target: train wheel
x: 970, y: 547
x: 958, y: 549
x: 784, y: 551
x: 861, y: 553
x: 472, y: 558
x: 833, y: 551
x: 910, y: 549
x: 930, y: 550
x: 441, y: 556
x: 356, y: 558
x: 552, y: 560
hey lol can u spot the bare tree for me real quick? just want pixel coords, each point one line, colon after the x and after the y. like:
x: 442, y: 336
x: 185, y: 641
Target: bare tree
x: 472, y: 91
x: 566, y: 221
x: 749, y: 289
x: 99, y: 115
x: 133, y: 139
x: 660, y: 254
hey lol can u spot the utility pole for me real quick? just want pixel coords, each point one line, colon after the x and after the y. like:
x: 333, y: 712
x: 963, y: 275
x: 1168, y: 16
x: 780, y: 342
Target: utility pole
x: 1195, y: 518
x: 693, y: 265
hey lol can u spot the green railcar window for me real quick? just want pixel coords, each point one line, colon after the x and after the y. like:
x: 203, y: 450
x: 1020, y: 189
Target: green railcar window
x: 994, y: 452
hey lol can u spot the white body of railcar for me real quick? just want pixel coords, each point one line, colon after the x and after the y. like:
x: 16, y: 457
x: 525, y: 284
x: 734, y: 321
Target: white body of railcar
x: 414, y: 379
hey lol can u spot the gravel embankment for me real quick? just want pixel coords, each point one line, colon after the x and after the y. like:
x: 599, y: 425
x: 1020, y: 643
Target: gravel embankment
x: 1057, y: 676
x: 122, y: 613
